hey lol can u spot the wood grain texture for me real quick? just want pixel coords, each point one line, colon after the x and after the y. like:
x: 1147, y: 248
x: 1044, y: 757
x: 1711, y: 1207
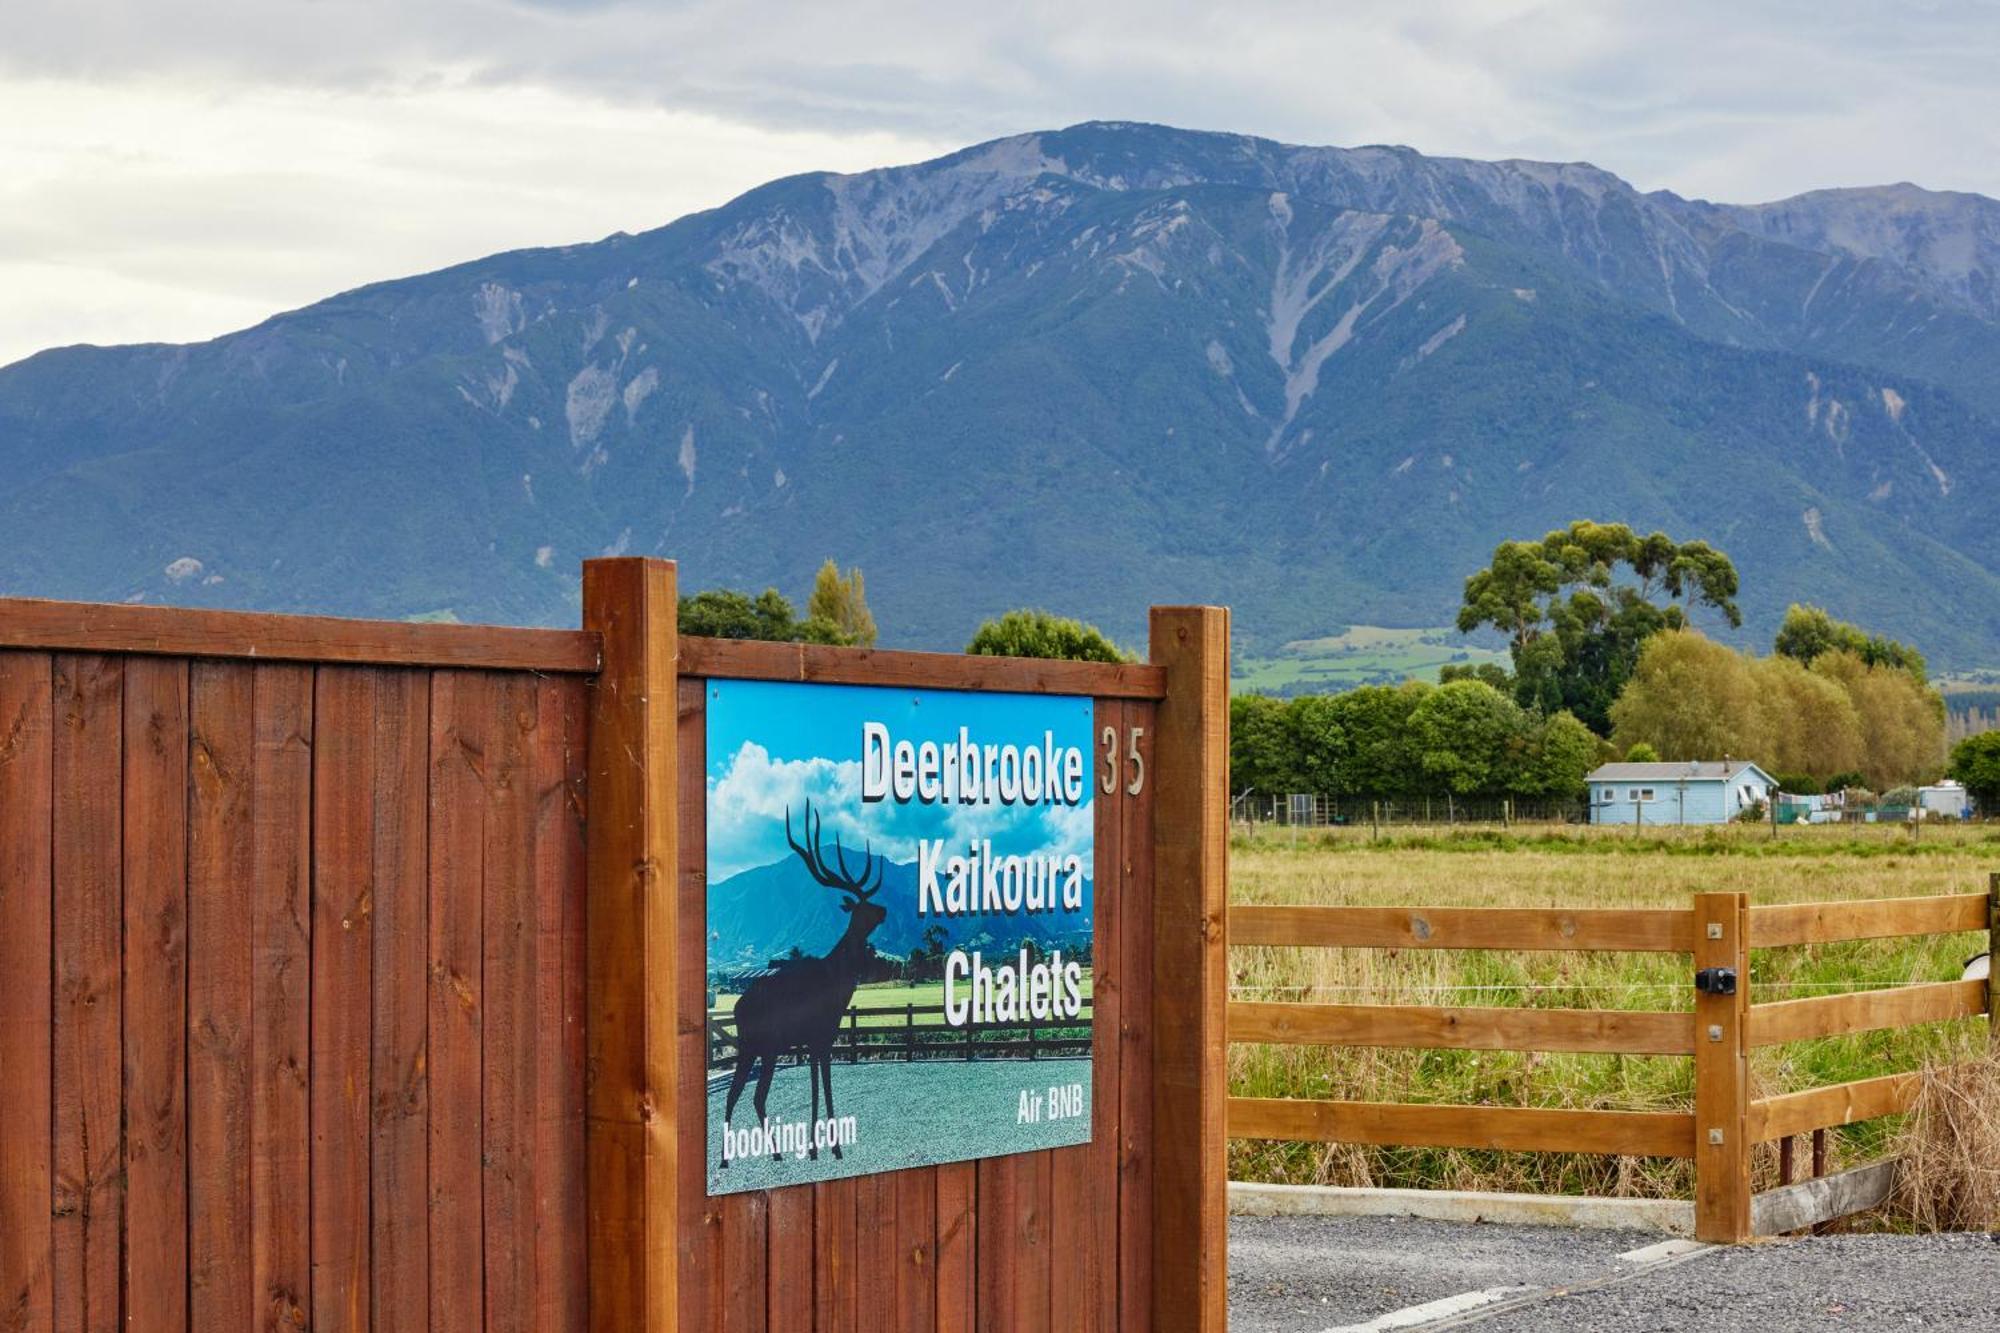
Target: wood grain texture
x: 742, y: 659
x: 1516, y: 1128
x: 281, y: 974
x: 1831, y: 1106
x: 27, y: 1002
x: 399, y: 1053
x: 1632, y: 930
x: 836, y: 1284
x: 699, y: 1248
x: 343, y: 977
x: 155, y: 848
x: 913, y: 1255
x: 995, y: 1284
x: 632, y: 921
x: 1864, y: 1011
x: 561, y: 1220
x: 1869, y: 919
x: 1190, y: 967
x: 789, y: 1259
x: 1617, y: 1031
x: 510, y: 968
x: 1722, y: 1072
x: 1811, y: 1202
x: 957, y: 1246
x: 461, y: 704
x: 221, y: 891
x: 1136, y: 1143
x: 89, y: 1163
x: 257, y: 636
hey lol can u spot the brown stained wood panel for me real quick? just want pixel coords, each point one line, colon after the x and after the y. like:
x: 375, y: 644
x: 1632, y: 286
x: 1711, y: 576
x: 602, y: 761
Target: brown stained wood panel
x: 509, y: 971
x: 27, y: 1012
x: 1722, y: 1072
x: 742, y: 659
x: 258, y: 636
x: 1635, y: 930
x: 996, y: 1286
x: 1877, y: 918
x: 399, y: 1074
x: 343, y: 945
x: 281, y: 972
x: 836, y: 1288
x: 89, y: 1160
x: 155, y: 847
x: 1864, y: 1011
x: 1514, y: 1128
x: 1083, y: 1223
x: 875, y: 1257
x: 699, y: 1249
x: 957, y: 1196
x: 1032, y: 1263
x: 559, y: 856
x: 463, y: 752
x: 914, y: 1253
x: 744, y: 1297
x: 789, y: 1259
x: 1135, y: 1059
x: 1494, y: 1028
x: 221, y: 890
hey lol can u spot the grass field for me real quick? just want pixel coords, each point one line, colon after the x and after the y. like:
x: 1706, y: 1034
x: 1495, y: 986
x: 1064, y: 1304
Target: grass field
x: 1362, y: 655
x: 1578, y: 867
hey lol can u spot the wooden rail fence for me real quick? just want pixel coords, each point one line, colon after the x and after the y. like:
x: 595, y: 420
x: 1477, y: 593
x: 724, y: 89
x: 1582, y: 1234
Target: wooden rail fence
x: 1717, y: 932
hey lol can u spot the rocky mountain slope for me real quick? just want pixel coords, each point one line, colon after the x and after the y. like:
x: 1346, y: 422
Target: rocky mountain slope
x: 1089, y: 369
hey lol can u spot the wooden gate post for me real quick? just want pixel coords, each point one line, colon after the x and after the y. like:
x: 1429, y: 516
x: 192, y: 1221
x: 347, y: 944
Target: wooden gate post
x: 631, y: 932
x: 1190, y: 969
x: 1722, y: 1072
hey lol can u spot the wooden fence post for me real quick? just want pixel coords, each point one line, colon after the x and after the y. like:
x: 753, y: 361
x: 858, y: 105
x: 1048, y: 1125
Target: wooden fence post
x: 1722, y: 1072
x: 1992, y: 954
x: 631, y: 901
x: 1190, y: 969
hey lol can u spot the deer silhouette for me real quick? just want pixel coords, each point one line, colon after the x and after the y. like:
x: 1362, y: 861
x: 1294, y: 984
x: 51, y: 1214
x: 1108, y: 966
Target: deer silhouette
x: 800, y: 1005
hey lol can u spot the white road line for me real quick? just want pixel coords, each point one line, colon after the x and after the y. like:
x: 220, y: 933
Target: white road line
x: 1414, y: 1315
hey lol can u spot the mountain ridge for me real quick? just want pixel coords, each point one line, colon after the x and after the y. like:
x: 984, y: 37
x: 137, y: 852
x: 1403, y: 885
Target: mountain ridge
x: 1317, y: 383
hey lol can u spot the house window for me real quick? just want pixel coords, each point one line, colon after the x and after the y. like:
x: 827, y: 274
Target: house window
x: 1640, y: 794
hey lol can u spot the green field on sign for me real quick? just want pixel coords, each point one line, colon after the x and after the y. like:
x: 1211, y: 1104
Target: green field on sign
x: 905, y: 1115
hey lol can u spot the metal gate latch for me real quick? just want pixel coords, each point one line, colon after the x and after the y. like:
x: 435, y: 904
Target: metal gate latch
x: 1716, y: 981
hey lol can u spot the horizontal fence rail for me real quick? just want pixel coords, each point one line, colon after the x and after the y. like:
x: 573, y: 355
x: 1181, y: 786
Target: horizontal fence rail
x: 1724, y: 1207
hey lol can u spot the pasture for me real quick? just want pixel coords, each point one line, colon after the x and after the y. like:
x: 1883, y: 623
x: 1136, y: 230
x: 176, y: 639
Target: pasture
x: 1553, y: 866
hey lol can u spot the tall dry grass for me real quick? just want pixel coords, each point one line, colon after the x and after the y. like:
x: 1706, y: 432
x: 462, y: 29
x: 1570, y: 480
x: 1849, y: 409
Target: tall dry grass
x: 1950, y: 1148
x: 1576, y: 868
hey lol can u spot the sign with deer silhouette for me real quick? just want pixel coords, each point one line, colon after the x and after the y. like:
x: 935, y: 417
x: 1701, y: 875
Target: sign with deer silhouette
x: 899, y: 928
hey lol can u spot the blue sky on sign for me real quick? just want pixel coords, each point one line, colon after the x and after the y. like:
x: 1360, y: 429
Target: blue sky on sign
x: 170, y: 171
x: 772, y: 746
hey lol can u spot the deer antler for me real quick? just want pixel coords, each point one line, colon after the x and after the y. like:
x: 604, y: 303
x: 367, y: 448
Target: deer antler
x: 844, y: 879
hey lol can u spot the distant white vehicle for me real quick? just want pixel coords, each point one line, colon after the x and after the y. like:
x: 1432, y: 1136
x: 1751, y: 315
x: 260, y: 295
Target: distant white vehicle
x: 1980, y: 968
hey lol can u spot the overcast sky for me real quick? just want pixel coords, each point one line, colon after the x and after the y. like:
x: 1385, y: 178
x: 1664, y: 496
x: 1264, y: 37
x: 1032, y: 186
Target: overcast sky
x: 173, y: 169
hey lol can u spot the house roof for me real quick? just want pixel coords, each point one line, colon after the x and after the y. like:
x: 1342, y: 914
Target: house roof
x: 1685, y: 770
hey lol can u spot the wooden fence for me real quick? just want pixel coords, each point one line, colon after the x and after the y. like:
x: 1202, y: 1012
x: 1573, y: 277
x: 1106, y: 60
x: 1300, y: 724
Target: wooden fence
x: 351, y: 976
x: 1718, y: 1034
x: 894, y: 1032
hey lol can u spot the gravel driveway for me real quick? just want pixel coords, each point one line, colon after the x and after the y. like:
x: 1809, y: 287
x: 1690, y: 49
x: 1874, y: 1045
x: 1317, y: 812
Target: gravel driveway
x: 1308, y: 1274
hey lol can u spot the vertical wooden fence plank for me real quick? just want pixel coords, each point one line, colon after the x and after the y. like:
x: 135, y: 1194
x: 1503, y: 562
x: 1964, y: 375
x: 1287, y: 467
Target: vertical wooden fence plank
x: 1033, y: 1185
x: 343, y: 956
x: 27, y: 1009
x: 1135, y: 1030
x: 632, y: 926
x: 915, y: 1250
x: 1722, y: 1072
x: 835, y: 1290
x: 399, y: 1060
x: 558, y: 759
x: 89, y: 1057
x: 1083, y: 1223
x: 281, y: 923
x: 1190, y: 967
x: 875, y: 1245
x: 509, y: 970
x: 1993, y: 956
x: 699, y: 1248
x: 957, y: 1246
x: 789, y: 1258
x: 156, y: 939
x: 462, y: 752
x: 996, y: 1286
x: 220, y: 895
x: 744, y: 1297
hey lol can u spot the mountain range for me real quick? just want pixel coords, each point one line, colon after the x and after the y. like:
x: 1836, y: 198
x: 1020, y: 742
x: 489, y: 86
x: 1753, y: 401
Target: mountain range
x: 1090, y: 369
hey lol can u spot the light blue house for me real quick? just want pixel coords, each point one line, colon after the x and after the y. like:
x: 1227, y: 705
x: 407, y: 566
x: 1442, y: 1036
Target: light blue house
x: 1690, y: 792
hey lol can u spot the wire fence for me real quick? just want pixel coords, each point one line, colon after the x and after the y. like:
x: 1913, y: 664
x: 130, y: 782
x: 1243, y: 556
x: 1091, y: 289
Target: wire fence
x: 1308, y: 810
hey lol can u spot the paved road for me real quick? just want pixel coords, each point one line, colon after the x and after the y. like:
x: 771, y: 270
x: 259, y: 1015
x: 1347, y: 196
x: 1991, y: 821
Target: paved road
x: 1304, y: 1275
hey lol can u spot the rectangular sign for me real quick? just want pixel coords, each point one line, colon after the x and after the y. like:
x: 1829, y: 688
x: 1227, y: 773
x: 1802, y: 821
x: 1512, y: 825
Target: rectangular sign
x: 899, y: 928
